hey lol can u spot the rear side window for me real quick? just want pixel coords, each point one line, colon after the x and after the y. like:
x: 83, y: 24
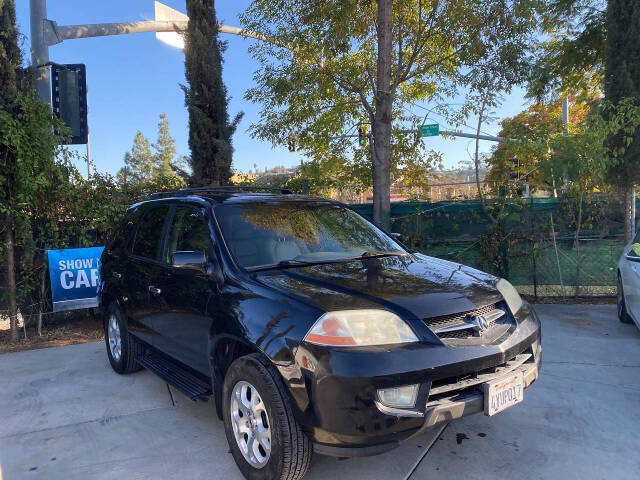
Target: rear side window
x: 188, y: 232
x: 147, y: 240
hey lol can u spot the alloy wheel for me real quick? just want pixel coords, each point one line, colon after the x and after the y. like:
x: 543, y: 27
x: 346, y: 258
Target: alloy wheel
x: 115, y: 339
x: 251, y: 426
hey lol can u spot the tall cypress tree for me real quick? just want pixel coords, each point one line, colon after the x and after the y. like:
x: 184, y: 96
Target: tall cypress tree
x: 10, y: 77
x: 210, y: 131
x: 621, y: 81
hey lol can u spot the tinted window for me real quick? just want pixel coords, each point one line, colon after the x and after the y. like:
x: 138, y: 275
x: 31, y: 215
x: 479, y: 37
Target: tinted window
x: 262, y: 234
x: 149, y: 233
x: 188, y: 232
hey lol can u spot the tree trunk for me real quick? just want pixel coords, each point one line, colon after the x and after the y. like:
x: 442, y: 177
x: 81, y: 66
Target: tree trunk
x: 628, y: 220
x: 382, y: 121
x: 11, y: 280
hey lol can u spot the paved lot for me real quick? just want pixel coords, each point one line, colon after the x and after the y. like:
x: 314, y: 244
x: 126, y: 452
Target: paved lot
x: 65, y: 415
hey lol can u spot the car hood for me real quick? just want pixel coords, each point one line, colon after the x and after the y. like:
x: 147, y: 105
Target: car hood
x: 412, y: 285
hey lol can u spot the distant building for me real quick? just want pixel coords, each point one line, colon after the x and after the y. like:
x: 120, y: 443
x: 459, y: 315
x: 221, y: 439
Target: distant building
x: 455, y: 184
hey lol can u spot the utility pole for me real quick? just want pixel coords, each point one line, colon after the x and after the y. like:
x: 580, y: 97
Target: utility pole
x: 565, y: 132
x: 39, y: 48
x: 88, y: 155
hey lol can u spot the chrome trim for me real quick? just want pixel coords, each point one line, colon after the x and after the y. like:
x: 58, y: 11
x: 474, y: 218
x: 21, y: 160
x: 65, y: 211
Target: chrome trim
x: 398, y: 412
x: 482, y: 377
x: 480, y: 323
x: 459, y: 406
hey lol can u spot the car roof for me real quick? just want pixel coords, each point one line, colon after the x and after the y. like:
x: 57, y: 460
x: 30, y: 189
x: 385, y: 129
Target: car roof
x: 223, y: 197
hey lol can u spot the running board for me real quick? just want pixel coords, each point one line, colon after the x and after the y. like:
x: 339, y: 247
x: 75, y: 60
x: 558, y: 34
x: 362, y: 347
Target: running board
x: 176, y: 376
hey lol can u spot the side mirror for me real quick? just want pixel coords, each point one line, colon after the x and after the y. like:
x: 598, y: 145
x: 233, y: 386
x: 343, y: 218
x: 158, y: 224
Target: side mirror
x: 632, y: 258
x: 189, y: 259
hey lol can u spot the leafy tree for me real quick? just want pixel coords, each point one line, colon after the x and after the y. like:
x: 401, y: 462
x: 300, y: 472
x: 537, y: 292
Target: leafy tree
x: 534, y: 133
x: 327, y: 67
x: 10, y: 77
x: 32, y: 165
x: 210, y: 131
x: 139, y: 162
x: 622, y: 87
x: 571, y: 56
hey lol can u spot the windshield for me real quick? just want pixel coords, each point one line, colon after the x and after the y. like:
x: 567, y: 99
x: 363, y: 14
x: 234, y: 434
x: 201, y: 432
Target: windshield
x: 262, y: 235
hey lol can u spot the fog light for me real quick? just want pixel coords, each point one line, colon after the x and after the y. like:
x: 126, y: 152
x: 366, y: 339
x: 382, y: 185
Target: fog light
x: 399, y: 397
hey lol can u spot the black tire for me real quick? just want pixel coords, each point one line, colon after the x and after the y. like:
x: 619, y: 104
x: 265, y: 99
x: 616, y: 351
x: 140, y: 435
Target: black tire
x: 129, y: 348
x: 291, y: 449
x: 622, y: 307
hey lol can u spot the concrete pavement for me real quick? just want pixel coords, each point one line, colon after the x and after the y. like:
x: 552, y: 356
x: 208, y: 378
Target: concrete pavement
x: 64, y: 414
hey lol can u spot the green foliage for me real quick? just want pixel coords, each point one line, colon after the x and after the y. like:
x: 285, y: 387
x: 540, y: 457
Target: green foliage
x: 318, y: 73
x: 571, y: 57
x: 210, y: 131
x: 10, y: 55
x: 153, y: 165
x: 165, y: 149
x: 139, y: 162
x: 622, y: 88
x: 539, y: 148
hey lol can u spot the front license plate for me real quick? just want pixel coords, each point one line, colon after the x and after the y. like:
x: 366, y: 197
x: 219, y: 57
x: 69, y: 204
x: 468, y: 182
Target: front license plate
x: 503, y: 393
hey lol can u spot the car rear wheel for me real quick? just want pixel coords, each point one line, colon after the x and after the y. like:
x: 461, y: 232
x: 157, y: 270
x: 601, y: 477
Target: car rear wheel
x: 265, y: 440
x: 622, y: 307
x: 122, y: 349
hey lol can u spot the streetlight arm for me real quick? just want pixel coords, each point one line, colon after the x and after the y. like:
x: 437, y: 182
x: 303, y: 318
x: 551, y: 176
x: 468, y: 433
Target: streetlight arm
x: 54, y: 33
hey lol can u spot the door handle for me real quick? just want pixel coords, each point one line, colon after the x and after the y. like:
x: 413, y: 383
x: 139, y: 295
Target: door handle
x: 155, y: 290
x: 116, y: 275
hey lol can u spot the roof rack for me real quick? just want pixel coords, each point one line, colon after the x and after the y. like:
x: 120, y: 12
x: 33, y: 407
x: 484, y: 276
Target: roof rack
x: 183, y: 192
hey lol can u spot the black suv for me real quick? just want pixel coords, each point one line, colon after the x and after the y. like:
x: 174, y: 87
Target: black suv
x: 312, y: 329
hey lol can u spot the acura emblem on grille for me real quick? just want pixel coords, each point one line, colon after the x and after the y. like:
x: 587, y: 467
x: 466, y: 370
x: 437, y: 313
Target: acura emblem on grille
x: 476, y: 322
x: 479, y: 323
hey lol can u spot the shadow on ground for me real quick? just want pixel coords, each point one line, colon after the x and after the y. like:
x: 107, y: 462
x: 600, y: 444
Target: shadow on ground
x: 66, y: 415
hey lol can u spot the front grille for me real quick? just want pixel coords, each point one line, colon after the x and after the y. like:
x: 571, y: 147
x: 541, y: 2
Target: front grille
x: 453, y: 319
x: 460, y: 320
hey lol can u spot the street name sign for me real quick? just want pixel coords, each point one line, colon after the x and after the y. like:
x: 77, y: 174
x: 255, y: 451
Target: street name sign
x: 430, y: 130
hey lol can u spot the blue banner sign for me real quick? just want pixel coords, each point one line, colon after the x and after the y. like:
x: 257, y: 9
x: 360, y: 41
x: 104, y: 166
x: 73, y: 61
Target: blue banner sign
x: 75, y: 277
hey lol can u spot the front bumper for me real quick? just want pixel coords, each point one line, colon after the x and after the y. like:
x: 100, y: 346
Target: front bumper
x: 468, y: 403
x: 348, y: 420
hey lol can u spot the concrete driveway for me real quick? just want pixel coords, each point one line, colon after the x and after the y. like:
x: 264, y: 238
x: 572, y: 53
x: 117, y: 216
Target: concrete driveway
x: 64, y: 414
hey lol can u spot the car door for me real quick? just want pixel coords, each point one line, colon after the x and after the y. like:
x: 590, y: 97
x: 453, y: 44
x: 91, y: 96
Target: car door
x: 630, y: 273
x: 184, y: 323
x: 142, y: 266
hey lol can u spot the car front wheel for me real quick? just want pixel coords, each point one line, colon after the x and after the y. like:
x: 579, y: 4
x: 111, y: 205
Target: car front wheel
x: 265, y: 439
x: 122, y: 348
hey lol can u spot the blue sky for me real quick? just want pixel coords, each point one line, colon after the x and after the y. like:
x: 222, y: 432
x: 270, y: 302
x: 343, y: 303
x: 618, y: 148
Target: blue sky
x: 133, y: 78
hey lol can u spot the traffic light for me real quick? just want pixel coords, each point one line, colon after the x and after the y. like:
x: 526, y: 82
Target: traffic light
x: 292, y: 144
x: 362, y: 136
x: 69, y: 99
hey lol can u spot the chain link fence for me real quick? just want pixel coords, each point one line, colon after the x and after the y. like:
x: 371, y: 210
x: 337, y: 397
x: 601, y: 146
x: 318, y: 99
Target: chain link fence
x: 546, y: 247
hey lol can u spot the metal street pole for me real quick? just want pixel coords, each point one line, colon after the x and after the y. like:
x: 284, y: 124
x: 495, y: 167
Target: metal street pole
x: 565, y: 132
x: 39, y: 48
x: 88, y: 154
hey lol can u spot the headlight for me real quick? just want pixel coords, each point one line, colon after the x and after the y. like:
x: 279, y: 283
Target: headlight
x: 510, y: 295
x: 361, y: 328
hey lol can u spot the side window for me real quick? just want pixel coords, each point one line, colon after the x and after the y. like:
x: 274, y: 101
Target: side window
x: 188, y: 231
x: 147, y: 240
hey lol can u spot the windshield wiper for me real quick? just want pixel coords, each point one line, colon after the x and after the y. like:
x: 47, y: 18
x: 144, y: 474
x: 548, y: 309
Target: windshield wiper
x: 292, y: 263
x: 365, y: 255
x: 285, y: 264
